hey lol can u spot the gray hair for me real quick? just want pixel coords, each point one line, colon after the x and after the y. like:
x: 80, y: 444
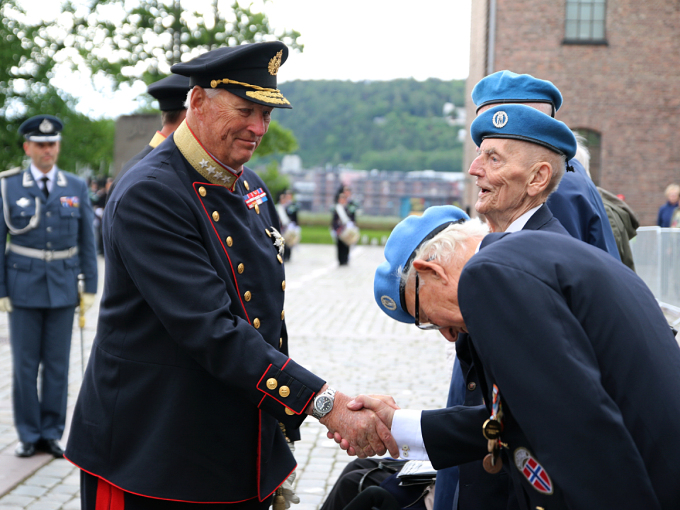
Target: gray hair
x: 558, y: 162
x: 582, y: 152
x: 208, y: 92
x: 448, y: 244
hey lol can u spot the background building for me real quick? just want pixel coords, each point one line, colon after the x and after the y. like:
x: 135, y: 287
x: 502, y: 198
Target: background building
x: 617, y: 64
x: 378, y: 193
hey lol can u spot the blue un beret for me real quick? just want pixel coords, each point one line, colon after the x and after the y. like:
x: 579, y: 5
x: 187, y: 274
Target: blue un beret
x: 42, y: 128
x: 525, y: 123
x: 248, y: 71
x: 508, y: 87
x: 170, y: 92
x: 400, y: 248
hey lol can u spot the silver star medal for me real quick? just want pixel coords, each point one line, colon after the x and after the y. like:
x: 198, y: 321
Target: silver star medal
x: 279, y: 241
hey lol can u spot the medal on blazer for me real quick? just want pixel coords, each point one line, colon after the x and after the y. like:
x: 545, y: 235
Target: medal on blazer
x: 492, y: 429
x: 255, y: 198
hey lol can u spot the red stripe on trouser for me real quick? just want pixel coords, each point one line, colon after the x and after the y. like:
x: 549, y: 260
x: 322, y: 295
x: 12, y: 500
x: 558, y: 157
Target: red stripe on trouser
x: 109, y: 497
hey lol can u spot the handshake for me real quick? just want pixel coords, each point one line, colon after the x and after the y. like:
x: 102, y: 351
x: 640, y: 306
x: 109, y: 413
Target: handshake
x: 361, y: 425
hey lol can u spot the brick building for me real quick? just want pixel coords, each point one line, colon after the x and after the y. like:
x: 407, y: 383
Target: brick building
x: 617, y: 64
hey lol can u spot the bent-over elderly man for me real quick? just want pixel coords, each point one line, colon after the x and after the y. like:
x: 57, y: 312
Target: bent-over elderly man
x: 572, y: 414
x: 190, y: 396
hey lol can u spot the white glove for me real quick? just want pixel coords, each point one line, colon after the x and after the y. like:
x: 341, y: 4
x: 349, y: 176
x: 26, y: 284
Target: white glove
x: 5, y: 305
x: 288, y: 492
x: 87, y: 301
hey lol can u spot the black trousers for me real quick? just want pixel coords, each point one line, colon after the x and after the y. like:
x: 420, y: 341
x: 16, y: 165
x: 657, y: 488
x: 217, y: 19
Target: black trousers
x: 357, y: 476
x: 343, y: 253
x: 98, y: 494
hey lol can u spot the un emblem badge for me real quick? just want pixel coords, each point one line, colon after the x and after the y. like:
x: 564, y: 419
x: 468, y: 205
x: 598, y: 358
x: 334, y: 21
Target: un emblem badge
x: 388, y: 303
x: 500, y: 119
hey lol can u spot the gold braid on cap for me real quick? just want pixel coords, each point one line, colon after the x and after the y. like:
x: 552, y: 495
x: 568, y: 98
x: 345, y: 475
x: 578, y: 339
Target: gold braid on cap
x: 260, y: 93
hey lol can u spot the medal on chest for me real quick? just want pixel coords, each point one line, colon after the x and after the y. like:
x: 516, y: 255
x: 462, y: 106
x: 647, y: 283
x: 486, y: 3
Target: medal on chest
x: 492, y: 429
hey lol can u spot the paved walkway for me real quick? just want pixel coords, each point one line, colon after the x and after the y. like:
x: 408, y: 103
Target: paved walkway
x: 336, y: 330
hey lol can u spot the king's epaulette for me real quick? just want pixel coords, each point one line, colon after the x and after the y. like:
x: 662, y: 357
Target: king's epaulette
x: 10, y: 172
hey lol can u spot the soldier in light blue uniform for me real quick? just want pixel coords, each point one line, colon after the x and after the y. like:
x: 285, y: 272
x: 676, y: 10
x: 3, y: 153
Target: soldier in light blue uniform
x: 48, y: 217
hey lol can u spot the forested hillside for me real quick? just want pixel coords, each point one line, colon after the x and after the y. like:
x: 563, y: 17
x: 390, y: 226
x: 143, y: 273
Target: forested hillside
x: 388, y: 125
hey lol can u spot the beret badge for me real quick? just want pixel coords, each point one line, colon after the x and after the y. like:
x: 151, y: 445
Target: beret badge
x: 388, y: 303
x: 275, y: 63
x: 500, y: 119
x: 46, y: 126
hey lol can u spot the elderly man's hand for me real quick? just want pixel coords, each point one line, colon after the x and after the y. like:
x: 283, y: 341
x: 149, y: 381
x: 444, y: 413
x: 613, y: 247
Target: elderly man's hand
x: 383, y: 405
x: 361, y: 431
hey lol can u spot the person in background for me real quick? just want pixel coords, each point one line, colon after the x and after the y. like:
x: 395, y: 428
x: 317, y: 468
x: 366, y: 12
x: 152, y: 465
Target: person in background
x: 171, y: 93
x: 287, y: 209
x: 621, y: 217
x: 46, y: 241
x: 341, y: 222
x: 666, y: 210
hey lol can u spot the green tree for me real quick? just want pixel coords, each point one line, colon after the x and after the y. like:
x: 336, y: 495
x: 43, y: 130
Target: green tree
x: 140, y: 43
x: 148, y: 39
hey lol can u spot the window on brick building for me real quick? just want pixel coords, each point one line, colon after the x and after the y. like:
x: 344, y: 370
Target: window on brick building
x: 585, y: 22
x: 593, y: 142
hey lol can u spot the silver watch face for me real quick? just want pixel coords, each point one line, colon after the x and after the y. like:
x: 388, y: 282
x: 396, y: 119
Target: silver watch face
x: 323, y: 404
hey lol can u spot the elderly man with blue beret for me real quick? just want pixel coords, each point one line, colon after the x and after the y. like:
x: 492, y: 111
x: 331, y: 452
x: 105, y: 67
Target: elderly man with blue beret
x: 190, y: 396
x: 46, y: 241
x: 576, y: 203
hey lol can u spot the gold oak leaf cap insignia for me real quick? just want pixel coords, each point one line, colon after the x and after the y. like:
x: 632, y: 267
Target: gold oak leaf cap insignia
x: 248, y: 71
x: 275, y: 63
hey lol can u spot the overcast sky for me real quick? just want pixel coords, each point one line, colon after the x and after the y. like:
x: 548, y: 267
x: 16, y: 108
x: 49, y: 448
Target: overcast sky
x: 346, y: 40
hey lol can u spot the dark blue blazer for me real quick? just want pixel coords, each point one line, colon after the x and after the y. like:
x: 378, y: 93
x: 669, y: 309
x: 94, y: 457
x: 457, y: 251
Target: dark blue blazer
x: 578, y: 206
x: 587, y: 369
x: 477, y: 488
x: 177, y: 401
x: 66, y: 221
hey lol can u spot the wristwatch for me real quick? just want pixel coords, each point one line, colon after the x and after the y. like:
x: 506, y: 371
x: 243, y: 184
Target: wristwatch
x: 323, y: 403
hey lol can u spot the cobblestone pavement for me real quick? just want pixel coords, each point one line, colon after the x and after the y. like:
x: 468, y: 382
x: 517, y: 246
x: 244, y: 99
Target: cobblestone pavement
x: 336, y: 331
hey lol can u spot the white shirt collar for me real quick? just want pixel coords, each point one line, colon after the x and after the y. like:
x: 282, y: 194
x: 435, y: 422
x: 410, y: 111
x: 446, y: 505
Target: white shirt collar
x: 38, y: 175
x: 519, y: 223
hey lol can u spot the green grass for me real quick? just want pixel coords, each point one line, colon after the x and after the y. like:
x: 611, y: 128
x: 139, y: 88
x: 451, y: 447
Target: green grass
x: 317, y: 234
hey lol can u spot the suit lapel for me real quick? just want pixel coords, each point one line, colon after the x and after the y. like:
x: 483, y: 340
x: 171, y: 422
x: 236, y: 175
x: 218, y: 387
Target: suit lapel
x: 539, y: 218
x: 30, y: 186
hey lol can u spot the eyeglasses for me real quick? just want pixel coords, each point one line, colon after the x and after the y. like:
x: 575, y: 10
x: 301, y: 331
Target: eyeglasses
x: 428, y: 325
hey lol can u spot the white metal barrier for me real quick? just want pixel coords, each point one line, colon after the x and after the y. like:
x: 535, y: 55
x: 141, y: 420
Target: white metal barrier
x: 656, y: 252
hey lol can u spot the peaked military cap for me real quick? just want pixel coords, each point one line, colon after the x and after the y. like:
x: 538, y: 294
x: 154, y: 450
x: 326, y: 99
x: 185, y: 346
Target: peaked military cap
x: 520, y: 122
x: 508, y: 87
x: 42, y: 128
x: 248, y: 71
x: 401, y: 247
x: 171, y: 92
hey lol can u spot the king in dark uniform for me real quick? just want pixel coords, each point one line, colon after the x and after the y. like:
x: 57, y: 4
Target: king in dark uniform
x: 190, y: 395
x: 46, y: 241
